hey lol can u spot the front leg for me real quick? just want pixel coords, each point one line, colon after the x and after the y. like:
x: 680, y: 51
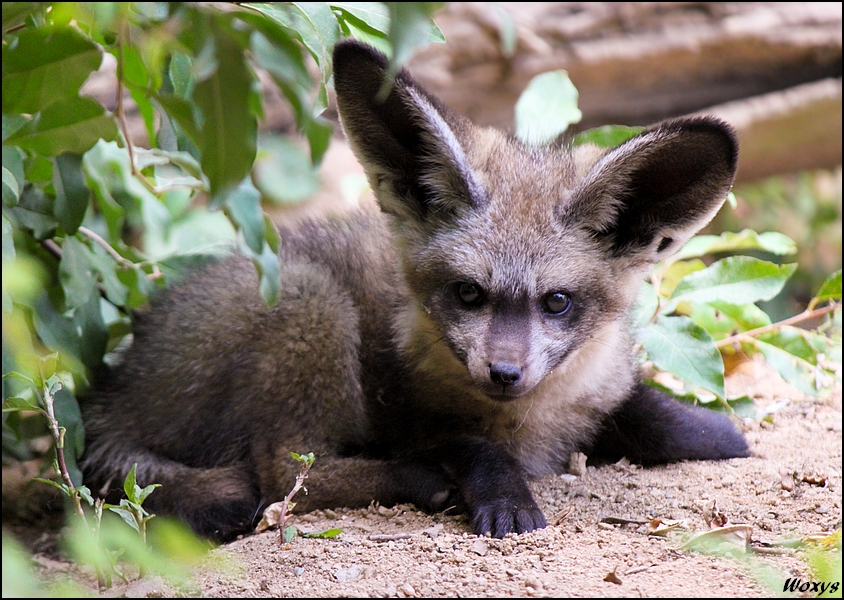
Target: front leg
x: 650, y: 427
x: 493, y: 486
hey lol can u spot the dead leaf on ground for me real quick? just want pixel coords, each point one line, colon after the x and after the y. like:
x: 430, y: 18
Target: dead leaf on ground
x: 787, y: 479
x: 562, y: 516
x: 661, y: 527
x: 271, y: 518
x: 819, y: 480
x: 613, y: 578
x: 714, y: 517
x: 721, y: 539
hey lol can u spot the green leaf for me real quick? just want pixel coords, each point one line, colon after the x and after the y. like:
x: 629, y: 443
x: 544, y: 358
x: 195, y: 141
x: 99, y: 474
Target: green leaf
x: 743, y: 406
x: 747, y: 239
x: 645, y: 306
x: 675, y: 272
x: 35, y: 211
x: 283, y: 172
x: 318, y: 132
x: 244, y: 208
x: 73, y: 125
x: 284, y: 61
x: 794, y: 341
x: 289, y: 533
x: 56, y: 330
x: 229, y: 131
x: 180, y: 75
x: 11, y: 191
x: 271, y: 234
x: 182, y: 112
x: 606, y: 136
x: 269, y: 271
x: 46, y: 65
x: 92, y: 331
x: 13, y: 162
x: 323, y: 25
x: 830, y: 289
x: 61, y: 486
x: 507, y: 31
x: 680, y: 346
x: 129, y: 482
x: 793, y: 369
x: 118, y: 192
x: 16, y: 403
x: 126, y: 514
x: 282, y: 58
x: 735, y: 280
x: 156, y: 156
x: 410, y: 27
x: 77, y: 273
x: 72, y: 194
x: 327, y: 534
x: 143, y: 494
x: 138, y: 286
x: 722, y: 319
x: 9, y: 243
x: 360, y: 31
x: 546, y: 108
x: 312, y: 22
x: 374, y: 14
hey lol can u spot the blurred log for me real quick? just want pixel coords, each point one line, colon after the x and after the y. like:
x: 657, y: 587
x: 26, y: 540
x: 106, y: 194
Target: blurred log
x: 773, y: 68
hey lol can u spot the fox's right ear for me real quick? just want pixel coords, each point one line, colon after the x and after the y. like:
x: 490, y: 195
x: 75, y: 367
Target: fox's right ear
x: 408, y: 142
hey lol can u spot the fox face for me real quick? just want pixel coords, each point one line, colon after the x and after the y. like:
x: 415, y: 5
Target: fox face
x: 518, y: 257
x: 512, y: 291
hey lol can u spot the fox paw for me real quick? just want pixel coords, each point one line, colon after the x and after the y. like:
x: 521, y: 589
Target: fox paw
x: 501, y: 516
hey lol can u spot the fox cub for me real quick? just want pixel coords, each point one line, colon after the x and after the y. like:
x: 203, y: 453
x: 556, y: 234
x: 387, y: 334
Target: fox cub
x: 470, y: 335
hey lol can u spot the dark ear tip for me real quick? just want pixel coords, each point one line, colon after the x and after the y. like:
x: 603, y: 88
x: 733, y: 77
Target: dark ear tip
x: 707, y: 125
x: 348, y: 52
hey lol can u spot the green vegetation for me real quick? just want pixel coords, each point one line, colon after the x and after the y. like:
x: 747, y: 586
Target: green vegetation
x: 95, y: 221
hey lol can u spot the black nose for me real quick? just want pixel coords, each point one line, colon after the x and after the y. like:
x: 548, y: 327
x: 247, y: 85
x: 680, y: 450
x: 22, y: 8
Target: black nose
x: 504, y: 374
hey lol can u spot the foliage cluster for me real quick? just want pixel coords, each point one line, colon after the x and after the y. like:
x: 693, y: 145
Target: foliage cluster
x: 93, y: 223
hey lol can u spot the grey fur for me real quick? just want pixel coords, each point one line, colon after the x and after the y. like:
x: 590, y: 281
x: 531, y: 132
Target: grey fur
x: 371, y: 359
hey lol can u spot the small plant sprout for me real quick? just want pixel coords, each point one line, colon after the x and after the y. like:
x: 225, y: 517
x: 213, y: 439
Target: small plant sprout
x: 288, y: 533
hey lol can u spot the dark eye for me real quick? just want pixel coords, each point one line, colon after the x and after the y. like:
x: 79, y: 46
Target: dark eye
x: 556, y: 303
x: 469, y: 294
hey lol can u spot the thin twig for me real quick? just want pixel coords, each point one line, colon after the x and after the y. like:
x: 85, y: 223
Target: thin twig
x: 15, y: 27
x: 106, y: 246
x: 58, y: 438
x: 121, y: 113
x: 804, y: 316
x: 300, y: 480
x: 53, y: 248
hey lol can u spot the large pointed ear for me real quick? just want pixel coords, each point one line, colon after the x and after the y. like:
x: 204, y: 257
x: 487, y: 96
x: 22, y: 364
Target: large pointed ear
x: 408, y: 142
x: 647, y: 197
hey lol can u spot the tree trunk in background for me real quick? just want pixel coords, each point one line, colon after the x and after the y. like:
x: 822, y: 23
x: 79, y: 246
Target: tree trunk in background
x: 773, y: 69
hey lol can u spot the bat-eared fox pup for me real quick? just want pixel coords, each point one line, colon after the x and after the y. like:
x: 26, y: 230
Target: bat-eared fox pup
x: 471, y: 334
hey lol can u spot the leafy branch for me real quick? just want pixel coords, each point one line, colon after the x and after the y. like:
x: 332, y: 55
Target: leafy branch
x: 808, y: 315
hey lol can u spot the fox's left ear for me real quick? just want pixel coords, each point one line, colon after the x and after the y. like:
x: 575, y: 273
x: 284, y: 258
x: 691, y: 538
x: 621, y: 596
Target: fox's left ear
x: 648, y: 196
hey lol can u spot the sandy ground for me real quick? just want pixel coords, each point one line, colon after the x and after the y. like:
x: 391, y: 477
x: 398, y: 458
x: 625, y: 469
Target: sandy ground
x: 597, y: 542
